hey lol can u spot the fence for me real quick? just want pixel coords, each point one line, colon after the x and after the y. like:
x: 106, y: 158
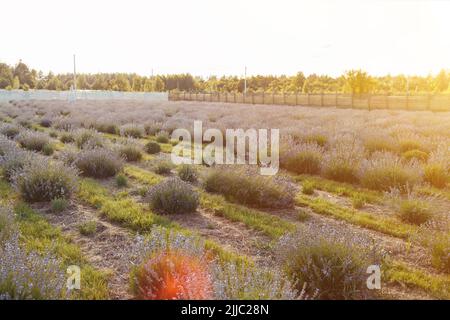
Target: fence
x: 436, y: 102
x: 7, y: 95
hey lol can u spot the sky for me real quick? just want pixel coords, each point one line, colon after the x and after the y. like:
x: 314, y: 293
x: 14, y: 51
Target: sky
x: 221, y: 37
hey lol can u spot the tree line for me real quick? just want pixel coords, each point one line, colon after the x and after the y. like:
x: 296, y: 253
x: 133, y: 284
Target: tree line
x: 21, y: 76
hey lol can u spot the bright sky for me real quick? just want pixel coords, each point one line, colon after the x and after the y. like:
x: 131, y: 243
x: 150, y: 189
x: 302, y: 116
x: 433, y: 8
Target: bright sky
x: 205, y: 37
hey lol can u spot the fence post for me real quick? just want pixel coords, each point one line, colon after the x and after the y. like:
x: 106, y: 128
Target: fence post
x: 263, y: 102
x: 321, y: 99
x: 226, y: 96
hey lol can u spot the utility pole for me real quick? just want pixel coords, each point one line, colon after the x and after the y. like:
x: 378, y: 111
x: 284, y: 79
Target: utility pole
x: 245, y: 81
x: 74, y: 75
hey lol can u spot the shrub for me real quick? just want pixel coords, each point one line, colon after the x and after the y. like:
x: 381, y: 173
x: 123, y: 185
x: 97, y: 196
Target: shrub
x: 29, y: 275
x: 9, y: 130
x: 88, y: 228
x: 435, y: 237
x: 45, y: 122
x: 415, y: 155
x: 86, y: 138
x: 152, y: 147
x: 231, y: 279
x: 152, y: 128
x: 121, y: 181
x: 107, y: 127
x: 47, y: 149
x: 437, y: 175
x: 316, y: 138
x: 132, y: 130
x: 414, y: 211
x: 58, y: 205
x: 63, y: 124
x: 98, y: 163
x: 34, y: 141
x: 342, y: 163
x: 440, y: 251
x: 45, y: 181
x: 308, y: 187
x: 130, y: 151
x: 187, y: 173
x: 173, y: 196
x: 358, y: 201
x: 385, y: 171
x: 6, y: 145
x: 408, y: 145
x: 67, y: 137
x: 162, y: 137
x: 53, y: 134
x: 7, y: 224
x: 379, y: 144
x: 341, y: 170
x: 302, y: 159
x: 249, y: 190
x: 331, y: 261
x: 24, y: 122
x: 162, y: 167
x: 14, y: 160
x: 170, y: 275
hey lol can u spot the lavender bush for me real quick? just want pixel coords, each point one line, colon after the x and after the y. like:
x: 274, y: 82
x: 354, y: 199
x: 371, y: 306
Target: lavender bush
x: 230, y: 279
x: 34, y: 141
x: 13, y: 160
x: 45, y: 181
x: 132, y: 130
x: 9, y: 130
x: 29, y: 275
x: 330, y: 260
x: 173, y: 196
x: 249, y: 189
x: 385, y: 171
x: 86, y: 138
x: 26, y: 274
x: 130, y: 150
x: 98, y: 162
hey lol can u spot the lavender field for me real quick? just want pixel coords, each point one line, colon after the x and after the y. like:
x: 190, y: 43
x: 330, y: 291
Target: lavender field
x: 91, y: 184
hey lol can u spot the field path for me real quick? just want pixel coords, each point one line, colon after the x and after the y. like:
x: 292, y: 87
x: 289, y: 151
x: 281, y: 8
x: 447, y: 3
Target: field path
x: 106, y: 249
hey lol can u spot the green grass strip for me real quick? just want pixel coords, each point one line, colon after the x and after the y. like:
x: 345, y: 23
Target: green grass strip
x: 269, y: 224
x: 121, y: 210
x: 436, y: 285
x: 387, y: 226
x: 341, y: 189
x: 144, y: 176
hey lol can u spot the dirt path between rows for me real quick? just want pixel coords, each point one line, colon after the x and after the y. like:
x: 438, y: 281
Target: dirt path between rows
x: 106, y: 249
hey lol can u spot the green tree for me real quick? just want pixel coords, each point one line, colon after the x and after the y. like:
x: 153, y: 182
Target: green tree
x: 358, y: 81
x: 6, y: 76
x: 441, y: 82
